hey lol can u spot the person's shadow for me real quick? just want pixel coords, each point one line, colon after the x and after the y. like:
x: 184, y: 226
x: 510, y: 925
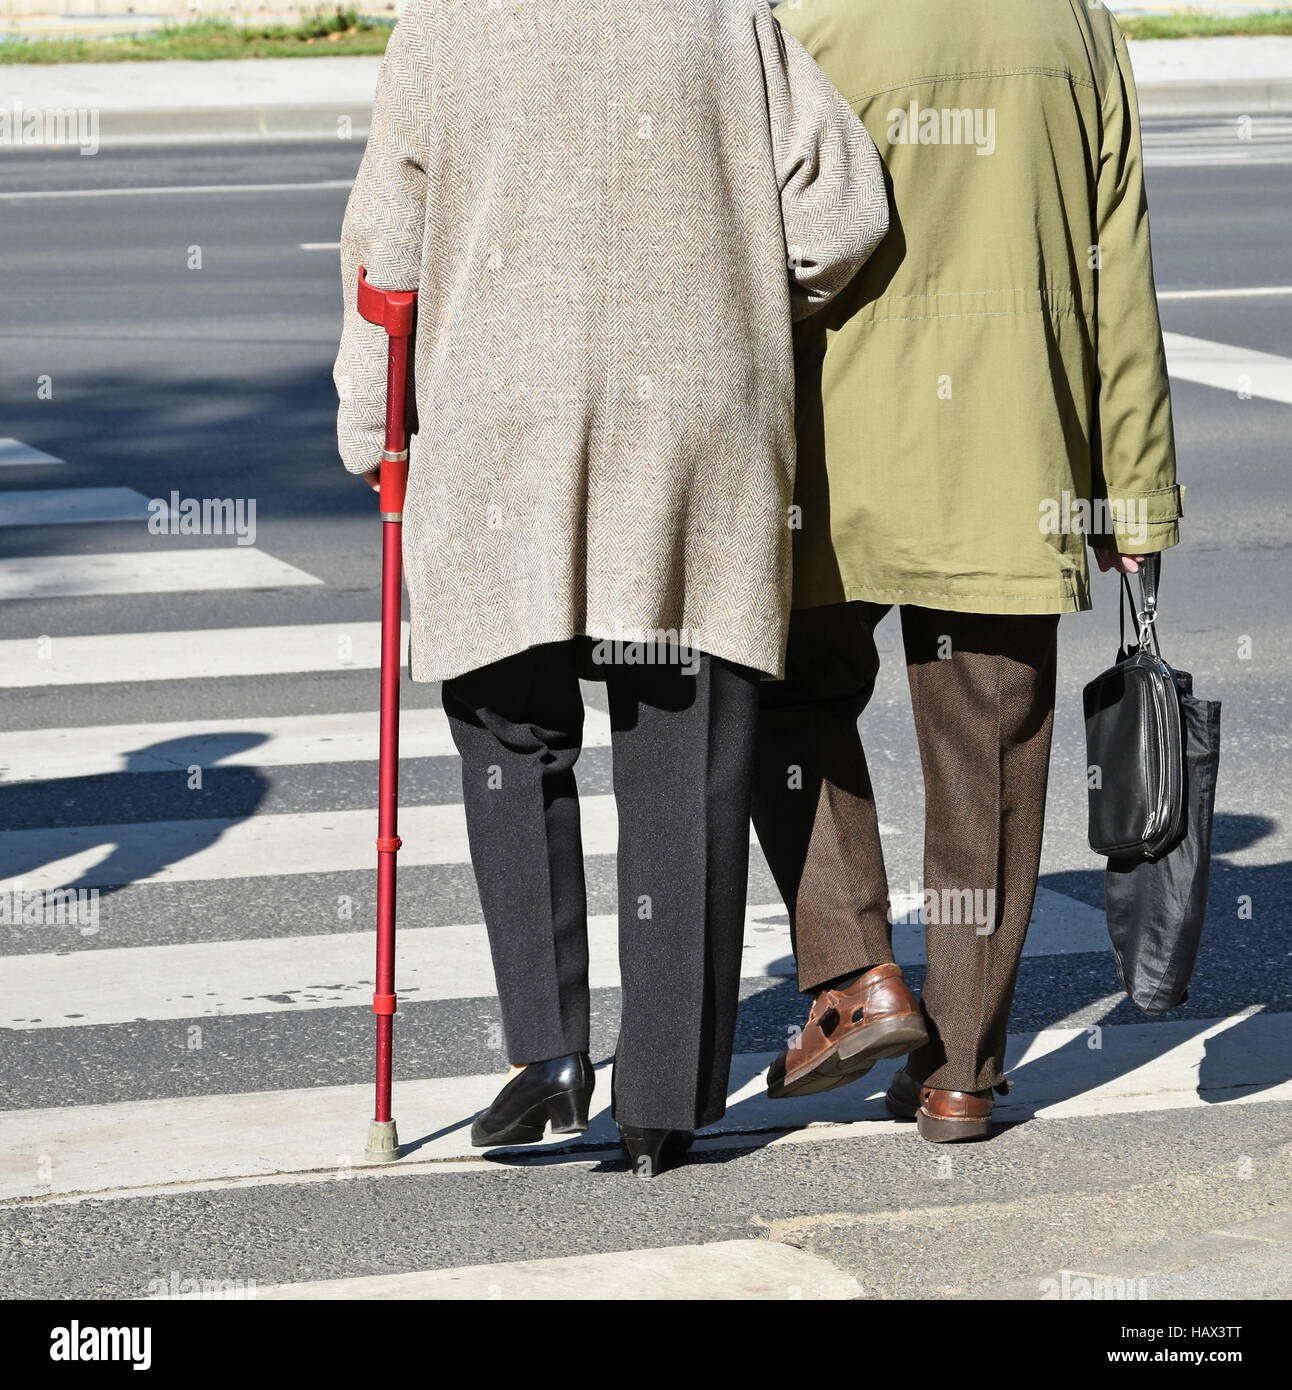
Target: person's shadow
x: 119, y: 810
x: 1243, y: 1054
x: 1234, y: 999
x: 1237, y: 1004
x: 1250, y: 1056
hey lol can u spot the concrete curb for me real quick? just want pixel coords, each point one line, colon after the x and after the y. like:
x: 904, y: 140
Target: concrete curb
x: 324, y: 121
x: 276, y: 121
x: 342, y: 120
x: 1259, y: 96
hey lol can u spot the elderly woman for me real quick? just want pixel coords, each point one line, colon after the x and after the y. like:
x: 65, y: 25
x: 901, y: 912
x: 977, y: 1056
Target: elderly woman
x: 613, y: 213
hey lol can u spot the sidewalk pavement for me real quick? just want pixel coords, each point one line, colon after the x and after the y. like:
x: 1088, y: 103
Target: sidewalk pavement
x: 224, y: 99
x: 1213, y: 77
x: 231, y: 99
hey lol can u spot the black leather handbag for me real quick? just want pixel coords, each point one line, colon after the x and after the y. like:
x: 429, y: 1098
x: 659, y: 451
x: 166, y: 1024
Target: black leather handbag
x: 1156, y: 747
x: 1135, y: 740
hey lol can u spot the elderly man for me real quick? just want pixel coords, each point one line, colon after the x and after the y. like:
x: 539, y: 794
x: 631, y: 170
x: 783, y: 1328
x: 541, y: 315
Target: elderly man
x: 988, y: 396
x: 613, y: 213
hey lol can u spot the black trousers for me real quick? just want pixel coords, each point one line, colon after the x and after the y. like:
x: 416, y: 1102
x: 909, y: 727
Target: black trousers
x: 683, y: 745
x: 982, y: 692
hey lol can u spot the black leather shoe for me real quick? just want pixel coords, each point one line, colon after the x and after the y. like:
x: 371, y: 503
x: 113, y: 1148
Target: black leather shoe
x: 556, y: 1092
x: 650, y: 1151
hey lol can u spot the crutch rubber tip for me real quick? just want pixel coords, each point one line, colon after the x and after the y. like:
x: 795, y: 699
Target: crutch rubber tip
x: 383, y: 1142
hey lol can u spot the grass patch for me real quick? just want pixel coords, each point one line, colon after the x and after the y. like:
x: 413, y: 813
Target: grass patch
x: 327, y: 33
x: 1193, y: 24
x: 345, y: 31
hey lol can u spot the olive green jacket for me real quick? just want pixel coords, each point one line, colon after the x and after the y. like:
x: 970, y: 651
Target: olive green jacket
x: 997, y: 367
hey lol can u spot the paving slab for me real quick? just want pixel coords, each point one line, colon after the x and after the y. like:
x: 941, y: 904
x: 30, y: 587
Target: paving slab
x: 734, y: 1269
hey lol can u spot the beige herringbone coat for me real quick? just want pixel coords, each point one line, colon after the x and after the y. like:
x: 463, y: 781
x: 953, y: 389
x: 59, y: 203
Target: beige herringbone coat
x: 598, y: 200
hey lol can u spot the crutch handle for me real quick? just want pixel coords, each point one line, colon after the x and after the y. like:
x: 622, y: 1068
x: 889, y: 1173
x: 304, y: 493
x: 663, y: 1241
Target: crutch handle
x: 395, y: 311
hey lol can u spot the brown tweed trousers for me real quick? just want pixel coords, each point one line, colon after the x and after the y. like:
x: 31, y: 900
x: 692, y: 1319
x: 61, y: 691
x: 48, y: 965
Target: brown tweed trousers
x: 613, y: 211
x: 982, y: 690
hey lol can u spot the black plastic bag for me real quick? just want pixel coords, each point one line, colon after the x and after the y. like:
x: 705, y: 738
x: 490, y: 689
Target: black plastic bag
x: 1156, y: 907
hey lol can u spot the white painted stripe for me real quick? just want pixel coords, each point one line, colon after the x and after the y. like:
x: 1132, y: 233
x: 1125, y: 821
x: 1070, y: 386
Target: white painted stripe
x: 1216, y: 158
x: 282, y: 974
x: 310, y: 842
x: 191, y: 654
x: 1229, y: 368
x: 64, y: 505
x: 1247, y: 292
x: 1224, y: 132
x: 35, y: 755
x: 1267, y: 140
x: 276, y: 975
x: 171, y: 190
x: 15, y: 454
x: 1060, y: 925
x: 257, y: 846
x: 320, y: 245
x: 146, y: 572
x: 721, y: 1270
x: 1138, y: 1068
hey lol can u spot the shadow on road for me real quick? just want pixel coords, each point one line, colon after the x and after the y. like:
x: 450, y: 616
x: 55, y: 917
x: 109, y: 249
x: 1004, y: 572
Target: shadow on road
x: 137, y: 851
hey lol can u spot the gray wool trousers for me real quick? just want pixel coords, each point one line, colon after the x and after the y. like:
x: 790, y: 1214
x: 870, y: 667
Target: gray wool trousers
x: 683, y: 740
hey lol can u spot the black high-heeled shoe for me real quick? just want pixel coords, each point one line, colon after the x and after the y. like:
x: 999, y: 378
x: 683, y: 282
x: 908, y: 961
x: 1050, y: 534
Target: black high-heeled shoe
x: 651, y: 1151
x: 556, y: 1092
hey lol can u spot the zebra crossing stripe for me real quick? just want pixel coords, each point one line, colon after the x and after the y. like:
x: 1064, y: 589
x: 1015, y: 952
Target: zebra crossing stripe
x: 146, y: 572
x: 80, y: 988
x: 289, y: 974
x: 15, y: 454
x: 73, y: 505
x: 28, y: 662
x: 256, y: 846
x: 318, y: 1132
x: 719, y: 1270
x: 259, y: 741
x: 311, y: 842
x: 1236, y: 369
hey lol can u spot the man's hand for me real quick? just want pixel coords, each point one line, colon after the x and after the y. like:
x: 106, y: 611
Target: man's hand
x: 1123, y: 564
x: 373, y: 478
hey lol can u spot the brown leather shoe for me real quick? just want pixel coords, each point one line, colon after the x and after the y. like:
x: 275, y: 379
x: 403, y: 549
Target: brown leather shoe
x: 943, y: 1117
x: 847, y: 1032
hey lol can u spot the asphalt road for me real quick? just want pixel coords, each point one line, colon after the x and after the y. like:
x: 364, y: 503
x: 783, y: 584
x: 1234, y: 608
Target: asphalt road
x: 215, y: 382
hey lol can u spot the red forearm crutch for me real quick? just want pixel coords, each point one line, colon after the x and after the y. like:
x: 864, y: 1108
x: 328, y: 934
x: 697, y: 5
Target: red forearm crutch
x: 394, y: 311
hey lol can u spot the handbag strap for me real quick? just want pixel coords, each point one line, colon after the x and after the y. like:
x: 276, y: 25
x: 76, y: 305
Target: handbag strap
x: 1149, y: 575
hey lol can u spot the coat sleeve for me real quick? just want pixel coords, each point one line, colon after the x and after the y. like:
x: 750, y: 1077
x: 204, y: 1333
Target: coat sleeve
x: 384, y: 226
x: 834, y: 205
x: 1135, y: 443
